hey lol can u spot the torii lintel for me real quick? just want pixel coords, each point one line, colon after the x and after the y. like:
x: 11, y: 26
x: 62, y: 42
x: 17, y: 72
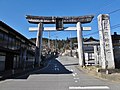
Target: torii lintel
x: 66, y: 19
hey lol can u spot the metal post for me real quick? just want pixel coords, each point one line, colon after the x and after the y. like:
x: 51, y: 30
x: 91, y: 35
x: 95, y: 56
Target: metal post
x: 39, y: 43
x: 49, y: 39
x: 55, y: 44
x: 80, y: 44
x: 70, y: 44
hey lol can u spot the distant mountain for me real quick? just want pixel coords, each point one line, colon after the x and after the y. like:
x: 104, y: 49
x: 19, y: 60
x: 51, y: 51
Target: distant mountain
x: 62, y: 44
x: 34, y: 40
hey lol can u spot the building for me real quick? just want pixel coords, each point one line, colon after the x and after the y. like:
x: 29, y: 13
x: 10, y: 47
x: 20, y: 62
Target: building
x: 89, y: 50
x: 88, y: 47
x: 16, y: 51
x: 89, y: 44
x: 116, y: 49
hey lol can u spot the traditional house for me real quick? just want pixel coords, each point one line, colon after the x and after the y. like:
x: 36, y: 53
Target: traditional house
x: 16, y: 51
x: 116, y: 49
x: 89, y: 50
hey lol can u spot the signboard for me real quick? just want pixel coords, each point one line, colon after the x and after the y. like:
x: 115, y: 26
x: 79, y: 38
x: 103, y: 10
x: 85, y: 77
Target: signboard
x: 106, y: 48
x: 59, y: 24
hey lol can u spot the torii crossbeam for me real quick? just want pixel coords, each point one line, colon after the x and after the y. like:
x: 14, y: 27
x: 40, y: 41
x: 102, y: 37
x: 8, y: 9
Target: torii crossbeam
x: 66, y: 19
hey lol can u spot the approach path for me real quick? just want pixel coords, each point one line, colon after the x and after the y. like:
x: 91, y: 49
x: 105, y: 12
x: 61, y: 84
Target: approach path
x: 60, y: 74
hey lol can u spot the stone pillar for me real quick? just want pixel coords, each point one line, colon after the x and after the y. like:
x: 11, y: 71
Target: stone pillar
x: 106, y: 49
x: 80, y: 44
x: 39, y: 44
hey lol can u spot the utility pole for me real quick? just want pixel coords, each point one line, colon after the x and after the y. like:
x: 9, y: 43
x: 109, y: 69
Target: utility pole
x: 39, y: 44
x: 80, y: 44
x: 56, y: 43
x: 49, y: 39
x: 70, y: 44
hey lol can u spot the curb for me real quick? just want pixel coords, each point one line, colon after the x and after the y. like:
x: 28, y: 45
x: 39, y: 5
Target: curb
x: 112, y: 77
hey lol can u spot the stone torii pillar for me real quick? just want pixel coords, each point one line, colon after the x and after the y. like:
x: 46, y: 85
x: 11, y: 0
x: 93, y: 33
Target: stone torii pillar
x: 80, y: 44
x: 39, y: 44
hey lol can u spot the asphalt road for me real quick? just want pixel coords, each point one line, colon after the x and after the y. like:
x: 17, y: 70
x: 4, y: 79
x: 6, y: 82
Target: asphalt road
x: 59, y: 74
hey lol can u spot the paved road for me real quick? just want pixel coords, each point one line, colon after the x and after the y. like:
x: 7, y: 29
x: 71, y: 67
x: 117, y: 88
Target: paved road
x: 59, y: 74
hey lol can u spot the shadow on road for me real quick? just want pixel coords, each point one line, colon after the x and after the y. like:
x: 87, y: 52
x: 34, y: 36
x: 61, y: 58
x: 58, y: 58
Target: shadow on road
x: 53, y: 66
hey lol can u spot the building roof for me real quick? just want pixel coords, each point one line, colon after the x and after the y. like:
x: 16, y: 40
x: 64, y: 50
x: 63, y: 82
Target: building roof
x: 115, y: 36
x: 14, y: 32
x: 90, y: 39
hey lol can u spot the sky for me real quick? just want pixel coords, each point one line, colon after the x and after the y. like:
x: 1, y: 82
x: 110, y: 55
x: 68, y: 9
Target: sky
x: 13, y: 13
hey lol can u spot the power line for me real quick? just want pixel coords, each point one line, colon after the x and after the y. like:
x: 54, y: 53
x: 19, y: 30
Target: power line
x: 113, y: 27
x: 102, y: 9
x: 96, y: 32
x: 114, y: 11
x: 92, y: 33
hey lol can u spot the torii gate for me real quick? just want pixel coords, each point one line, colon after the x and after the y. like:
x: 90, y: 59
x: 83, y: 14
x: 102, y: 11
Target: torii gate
x: 59, y: 21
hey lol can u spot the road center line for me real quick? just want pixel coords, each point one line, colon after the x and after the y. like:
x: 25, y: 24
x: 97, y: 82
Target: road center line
x: 76, y: 78
x: 76, y: 81
x: 71, y: 70
x: 73, y: 74
x: 91, y: 87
